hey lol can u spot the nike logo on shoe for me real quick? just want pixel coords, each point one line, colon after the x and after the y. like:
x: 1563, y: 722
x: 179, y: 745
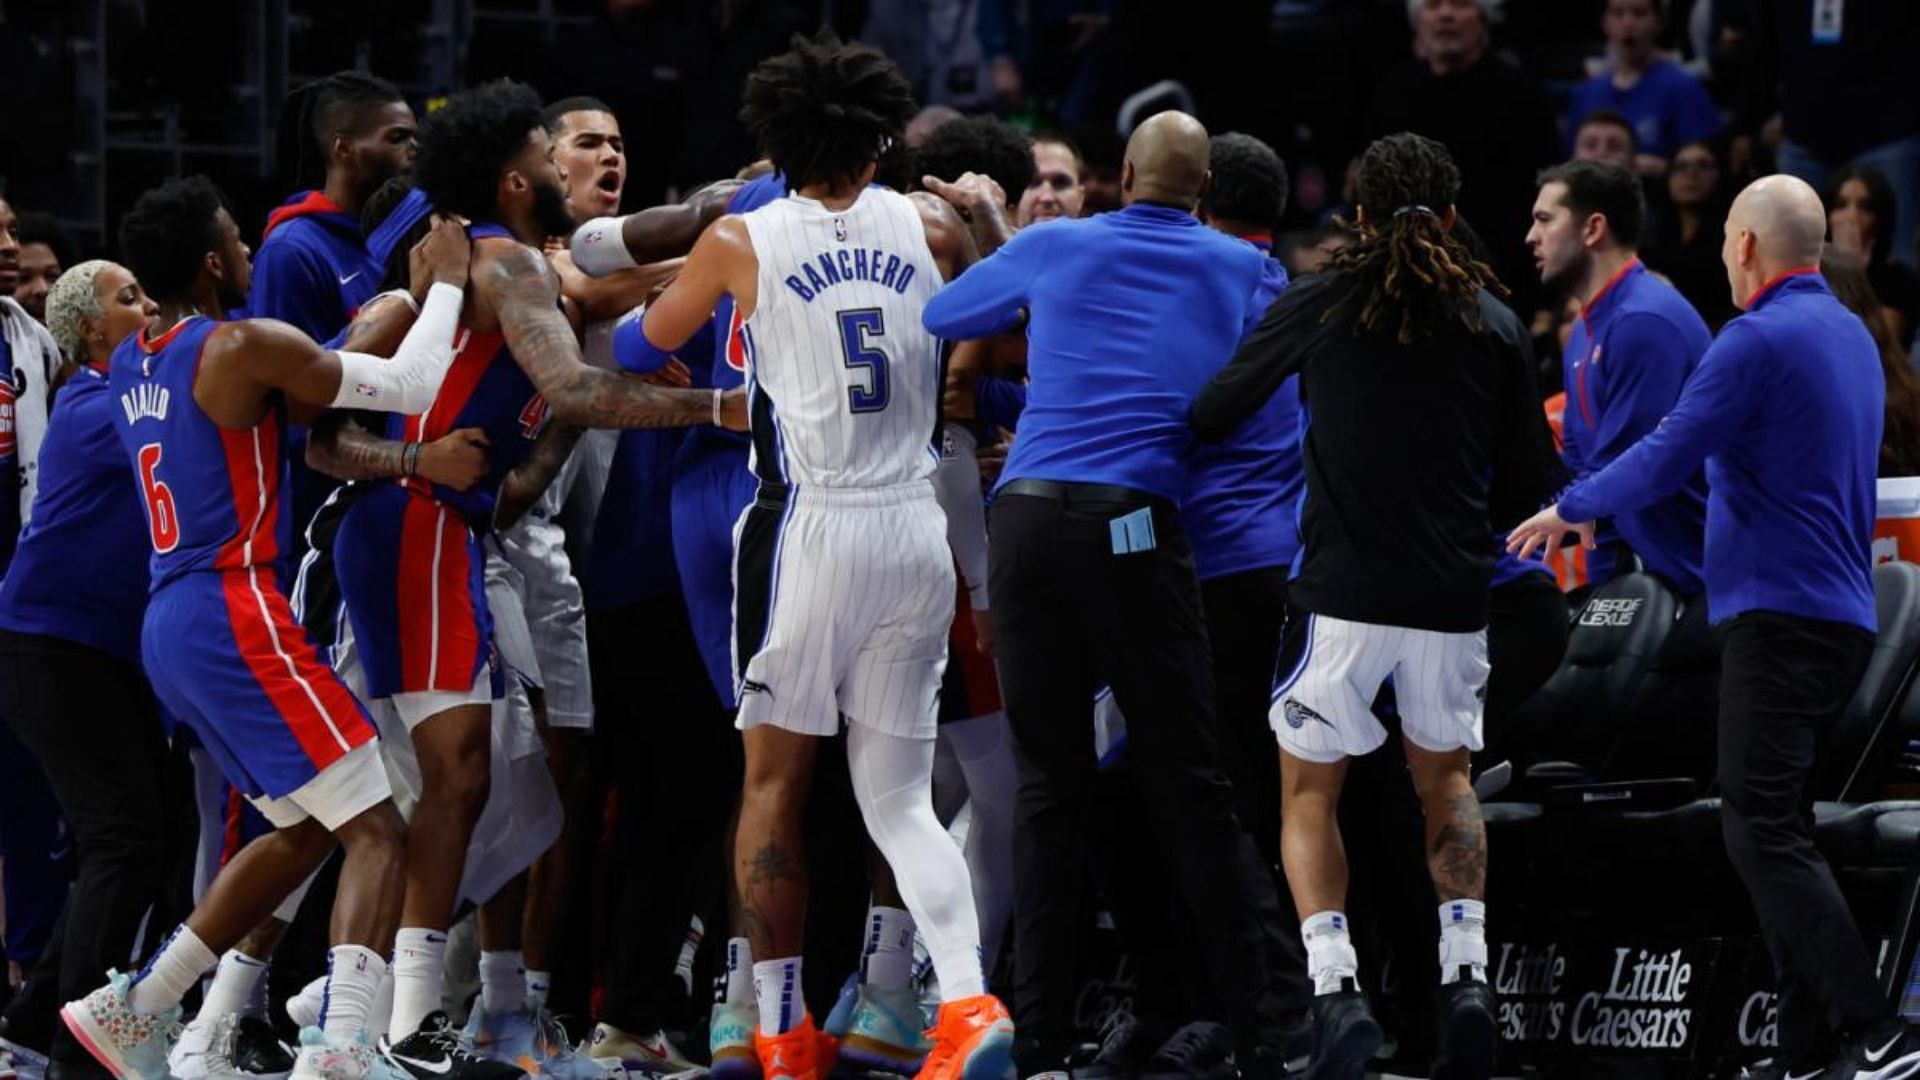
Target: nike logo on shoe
x: 439, y: 1068
x: 1874, y: 1057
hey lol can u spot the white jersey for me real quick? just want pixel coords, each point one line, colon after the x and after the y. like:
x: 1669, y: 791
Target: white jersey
x: 843, y: 380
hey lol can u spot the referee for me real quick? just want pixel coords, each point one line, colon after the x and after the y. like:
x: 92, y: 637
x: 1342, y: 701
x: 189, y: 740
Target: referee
x: 1092, y: 577
x: 1785, y: 409
x: 1419, y: 388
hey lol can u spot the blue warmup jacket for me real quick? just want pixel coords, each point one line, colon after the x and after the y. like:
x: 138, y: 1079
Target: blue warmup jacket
x: 1131, y: 313
x: 1786, y: 409
x: 312, y: 268
x: 1632, y: 349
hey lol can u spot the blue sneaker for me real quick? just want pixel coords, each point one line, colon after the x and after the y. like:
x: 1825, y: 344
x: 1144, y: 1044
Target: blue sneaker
x: 730, y: 1032
x: 886, y: 1032
x: 512, y: 1036
x: 840, y: 1017
x: 128, y: 1044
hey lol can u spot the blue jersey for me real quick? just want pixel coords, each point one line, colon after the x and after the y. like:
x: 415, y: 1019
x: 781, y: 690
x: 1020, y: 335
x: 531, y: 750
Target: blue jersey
x: 1243, y: 494
x: 1132, y: 313
x: 484, y: 389
x: 1667, y: 107
x: 1632, y: 349
x: 312, y: 268
x: 1786, y: 409
x: 80, y: 573
x: 216, y: 498
x: 9, y: 460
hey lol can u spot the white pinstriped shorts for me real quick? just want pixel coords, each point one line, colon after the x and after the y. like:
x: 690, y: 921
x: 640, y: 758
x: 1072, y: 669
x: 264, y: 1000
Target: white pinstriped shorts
x: 1332, y: 669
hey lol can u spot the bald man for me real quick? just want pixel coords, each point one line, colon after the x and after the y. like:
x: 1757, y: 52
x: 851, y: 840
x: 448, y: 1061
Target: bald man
x: 1092, y: 577
x: 1785, y: 411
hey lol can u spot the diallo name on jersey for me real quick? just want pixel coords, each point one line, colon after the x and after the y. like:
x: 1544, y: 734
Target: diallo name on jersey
x: 830, y: 268
x: 146, y: 401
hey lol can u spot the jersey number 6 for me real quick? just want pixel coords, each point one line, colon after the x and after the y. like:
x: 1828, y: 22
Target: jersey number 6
x: 855, y: 328
x: 162, y: 520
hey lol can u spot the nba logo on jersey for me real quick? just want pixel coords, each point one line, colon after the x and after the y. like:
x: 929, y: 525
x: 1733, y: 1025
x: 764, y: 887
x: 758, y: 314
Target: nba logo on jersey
x: 840, y: 229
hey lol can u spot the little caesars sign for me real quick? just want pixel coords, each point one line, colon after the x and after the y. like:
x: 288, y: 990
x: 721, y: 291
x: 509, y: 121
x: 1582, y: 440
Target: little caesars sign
x: 1598, y: 996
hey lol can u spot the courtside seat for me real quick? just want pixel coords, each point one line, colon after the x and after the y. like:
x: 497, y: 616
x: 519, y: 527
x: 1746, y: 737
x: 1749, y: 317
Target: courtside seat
x: 1580, y: 716
x: 1672, y: 729
x: 1852, y: 834
x: 1862, y: 748
x: 1896, y: 835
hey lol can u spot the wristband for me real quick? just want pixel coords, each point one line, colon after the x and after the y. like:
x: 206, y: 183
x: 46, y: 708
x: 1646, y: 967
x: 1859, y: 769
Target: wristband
x: 404, y: 294
x: 631, y: 349
x: 716, y: 407
x: 410, y: 459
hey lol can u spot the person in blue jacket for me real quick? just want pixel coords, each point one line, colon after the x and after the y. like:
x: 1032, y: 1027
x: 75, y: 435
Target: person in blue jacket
x: 1634, y: 345
x: 1785, y: 409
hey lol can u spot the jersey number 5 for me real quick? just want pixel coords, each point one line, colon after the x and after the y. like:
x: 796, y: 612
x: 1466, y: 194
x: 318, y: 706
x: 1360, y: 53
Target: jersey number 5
x: 162, y: 520
x: 855, y: 328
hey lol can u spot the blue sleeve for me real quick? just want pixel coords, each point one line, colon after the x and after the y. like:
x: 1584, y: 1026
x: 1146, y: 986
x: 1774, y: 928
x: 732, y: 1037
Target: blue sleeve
x: 1273, y: 282
x: 999, y: 402
x: 291, y: 285
x: 1648, y: 367
x: 987, y: 298
x: 631, y: 349
x: 1695, y: 116
x: 1712, y: 407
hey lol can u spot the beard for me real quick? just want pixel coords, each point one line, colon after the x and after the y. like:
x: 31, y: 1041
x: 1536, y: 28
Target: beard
x: 550, y: 210
x: 1563, y: 281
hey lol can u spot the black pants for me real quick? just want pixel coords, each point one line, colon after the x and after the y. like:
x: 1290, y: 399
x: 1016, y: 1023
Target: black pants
x: 1783, y: 682
x: 1526, y: 640
x: 91, y: 720
x: 663, y: 743
x: 1245, y: 613
x: 1070, y: 614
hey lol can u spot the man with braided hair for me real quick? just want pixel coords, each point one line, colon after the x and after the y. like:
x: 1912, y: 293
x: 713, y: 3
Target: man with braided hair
x: 1426, y: 435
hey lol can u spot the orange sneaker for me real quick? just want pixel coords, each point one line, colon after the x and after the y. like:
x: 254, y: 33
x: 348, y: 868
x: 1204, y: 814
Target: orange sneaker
x: 972, y: 1040
x: 801, y: 1052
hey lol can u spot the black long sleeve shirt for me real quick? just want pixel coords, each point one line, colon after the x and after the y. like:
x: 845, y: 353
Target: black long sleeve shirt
x: 1416, y: 455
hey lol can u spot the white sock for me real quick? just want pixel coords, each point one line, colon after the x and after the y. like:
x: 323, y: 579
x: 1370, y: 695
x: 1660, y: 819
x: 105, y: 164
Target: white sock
x: 1463, y: 940
x: 303, y: 1008
x: 893, y: 783
x: 539, y: 983
x: 419, y: 972
x: 168, y: 977
x: 503, y: 981
x: 354, y: 975
x: 1330, y: 955
x: 776, y: 985
x: 689, y: 949
x: 886, y: 960
x: 236, y: 983
x: 382, y: 1013
x: 739, y: 980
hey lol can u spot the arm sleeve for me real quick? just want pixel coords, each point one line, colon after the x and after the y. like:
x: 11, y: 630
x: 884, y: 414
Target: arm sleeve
x: 1277, y: 347
x: 1647, y: 366
x: 410, y: 381
x: 999, y: 401
x: 1715, y: 402
x: 956, y: 483
x: 1526, y: 471
x: 291, y: 285
x: 987, y: 298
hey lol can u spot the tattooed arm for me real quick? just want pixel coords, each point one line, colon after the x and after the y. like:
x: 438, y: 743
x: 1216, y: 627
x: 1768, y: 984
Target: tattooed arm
x: 519, y: 287
x: 338, y: 446
x: 529, y: 480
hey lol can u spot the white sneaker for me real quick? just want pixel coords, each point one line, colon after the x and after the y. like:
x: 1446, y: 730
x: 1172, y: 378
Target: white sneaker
x: 655, y: 1054
x: 230, y: 1047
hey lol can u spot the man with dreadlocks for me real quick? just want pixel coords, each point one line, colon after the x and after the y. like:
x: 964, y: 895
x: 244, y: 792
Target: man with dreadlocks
x: 1426, y: 434
x: 844, y: 583
x: 347, y: 133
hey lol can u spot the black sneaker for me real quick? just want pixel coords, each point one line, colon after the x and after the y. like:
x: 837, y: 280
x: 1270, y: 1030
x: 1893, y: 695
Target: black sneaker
x: 257, y: 1049
x: 1345, y: 1035
x: 1124, y: 1044
x: 1465, y: 1040
x: 1889, y: 1052
x: 1201, y: 1049
x: 1781, y: 1069
x: 436, y: 1052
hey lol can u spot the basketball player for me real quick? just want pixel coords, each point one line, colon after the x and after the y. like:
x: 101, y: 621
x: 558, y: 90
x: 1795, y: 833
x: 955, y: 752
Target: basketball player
x: 204, y: 408
x: 407, y: 553
x: 828, y: 286
x: 1401, y: 335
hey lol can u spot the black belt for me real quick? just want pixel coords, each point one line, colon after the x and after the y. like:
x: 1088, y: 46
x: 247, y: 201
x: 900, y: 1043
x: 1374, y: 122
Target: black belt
x: 1068, y: 494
